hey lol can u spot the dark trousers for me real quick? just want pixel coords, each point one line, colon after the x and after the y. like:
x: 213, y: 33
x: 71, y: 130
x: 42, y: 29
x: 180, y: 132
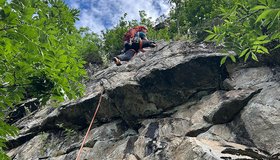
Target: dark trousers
x: 131, y: 50
x: 126, y: 56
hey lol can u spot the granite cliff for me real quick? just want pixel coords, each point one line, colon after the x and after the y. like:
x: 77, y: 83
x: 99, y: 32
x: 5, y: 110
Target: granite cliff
x: 172, y: 102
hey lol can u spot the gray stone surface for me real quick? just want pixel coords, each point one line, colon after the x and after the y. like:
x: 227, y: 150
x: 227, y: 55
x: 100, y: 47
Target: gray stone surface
x: 261, y: 118
x: 172, y: 102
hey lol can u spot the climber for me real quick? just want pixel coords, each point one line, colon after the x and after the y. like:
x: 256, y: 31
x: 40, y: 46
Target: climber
x: 134, y: 41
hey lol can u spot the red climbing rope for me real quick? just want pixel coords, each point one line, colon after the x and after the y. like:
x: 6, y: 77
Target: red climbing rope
x: 96, y: 110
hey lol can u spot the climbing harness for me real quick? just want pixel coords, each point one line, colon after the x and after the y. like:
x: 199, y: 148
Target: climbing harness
x: 91, y: 123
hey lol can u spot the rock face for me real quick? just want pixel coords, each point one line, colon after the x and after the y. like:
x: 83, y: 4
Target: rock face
x: 173, y: 102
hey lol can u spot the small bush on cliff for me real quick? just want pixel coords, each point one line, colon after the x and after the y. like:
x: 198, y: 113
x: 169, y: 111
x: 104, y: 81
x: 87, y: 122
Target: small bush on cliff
x: 249, y: 28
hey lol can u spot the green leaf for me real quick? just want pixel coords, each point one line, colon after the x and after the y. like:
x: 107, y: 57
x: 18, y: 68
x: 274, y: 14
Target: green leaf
x: 210, y: 37
x: 8, y: 44
x: 60, y: 52
x: 277, y: 15
x: 63, y: 58
x: 232, y: 57
x: 264, y: 49
x: 261, y: 42
x: 278, y: 46
x: 259, y: 51
x: 220, y: 38
x: 254, y: 57
x: 223, y: 60
x: 270, y: 2
x: 275, y: 36
x: 208, y: 31
x: 263, y: 15
x: 260, y: 38
x: 259, y: 7
x: 243, y: 52
x: 52, y: 40
x: 263, y: 2
x: 29, y: 12
x: 247, y: 56
x: 215, y: 29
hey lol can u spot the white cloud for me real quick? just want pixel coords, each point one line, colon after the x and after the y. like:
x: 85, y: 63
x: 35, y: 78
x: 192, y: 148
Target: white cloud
x: 87, y: 20
x: 101, y: 14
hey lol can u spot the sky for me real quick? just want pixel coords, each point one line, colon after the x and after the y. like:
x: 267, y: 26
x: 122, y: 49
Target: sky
x: 99, y: 15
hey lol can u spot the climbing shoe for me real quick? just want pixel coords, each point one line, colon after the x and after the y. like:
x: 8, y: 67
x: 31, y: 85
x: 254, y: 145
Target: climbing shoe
x: 117, y: 61
x: 153, y: 44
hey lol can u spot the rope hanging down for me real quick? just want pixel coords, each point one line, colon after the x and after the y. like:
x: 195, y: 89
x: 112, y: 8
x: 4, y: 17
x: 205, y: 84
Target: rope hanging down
x: 91, y: 123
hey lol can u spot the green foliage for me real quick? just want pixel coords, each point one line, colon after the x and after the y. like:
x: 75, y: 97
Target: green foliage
x: 189, y: 18
x: 38, y: 54
x: 162, y: 34
x: 113, y: 38
x: 153, y: 34
x: 89, y: 46
x: 69, y: 132
x: 249, y: 28
x: 6, y: 131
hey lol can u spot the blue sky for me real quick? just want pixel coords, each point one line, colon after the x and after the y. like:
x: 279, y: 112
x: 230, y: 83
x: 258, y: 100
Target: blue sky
x: 104, y: 14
